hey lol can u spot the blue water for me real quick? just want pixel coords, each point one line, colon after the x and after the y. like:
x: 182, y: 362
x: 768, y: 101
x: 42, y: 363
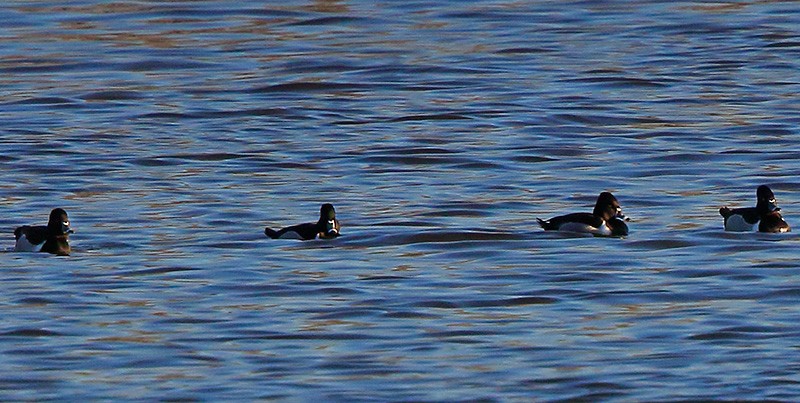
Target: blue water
x: 174, y: 132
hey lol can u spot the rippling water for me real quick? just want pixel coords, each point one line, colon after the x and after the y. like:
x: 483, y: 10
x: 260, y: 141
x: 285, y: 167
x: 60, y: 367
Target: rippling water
x: 174, y: 132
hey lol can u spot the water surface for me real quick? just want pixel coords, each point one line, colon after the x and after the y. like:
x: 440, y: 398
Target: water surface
x: 174, y: 132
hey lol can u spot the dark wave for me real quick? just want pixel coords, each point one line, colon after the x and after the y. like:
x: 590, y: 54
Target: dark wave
x: 155, y: 271
x: 447, y: 237
x: 344, y: 20
x: 43, y: 101
x: 524, y: 51
x: 310, y: 86
x: 279, y: 112
x: 117, y: 95
x: 660, y: 244
x: 30, y: 332
x: 165, y: 65
x: 618, y: 81
x: 431, y: 117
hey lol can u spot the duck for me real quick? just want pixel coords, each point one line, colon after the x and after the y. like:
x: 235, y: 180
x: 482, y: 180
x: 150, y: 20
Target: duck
x: 51, y: 238
x: 607, y: 219
x: 766, y: 214
x: 773, y: 222
x: 326, y: 228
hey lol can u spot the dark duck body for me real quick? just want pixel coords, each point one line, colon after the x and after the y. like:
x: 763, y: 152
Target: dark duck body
x: 326, y: 228
x: 605, y: 220
x: 51, y: 238
x: 765, y: 216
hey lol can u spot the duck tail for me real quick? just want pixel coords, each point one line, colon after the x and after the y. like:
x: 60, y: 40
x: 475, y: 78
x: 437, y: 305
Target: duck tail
x: 271, y: 233
x: 20, y: 231
x: 544, y: 224
x: 725, y: 212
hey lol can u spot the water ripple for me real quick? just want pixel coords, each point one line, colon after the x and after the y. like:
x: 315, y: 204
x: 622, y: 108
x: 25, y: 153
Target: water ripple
x: 173, y: 133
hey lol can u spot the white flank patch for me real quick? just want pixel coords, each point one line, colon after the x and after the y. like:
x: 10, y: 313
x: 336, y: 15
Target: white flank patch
x: 738, y: 224
x: 23, y: 245
x: 585, y: 229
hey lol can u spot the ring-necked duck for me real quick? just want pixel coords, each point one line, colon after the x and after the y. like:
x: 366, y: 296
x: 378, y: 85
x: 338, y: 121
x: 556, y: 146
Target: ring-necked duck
x: 52, y: 238
x: 606, y: 219
x: 766, y: 214
x: 326, y: 228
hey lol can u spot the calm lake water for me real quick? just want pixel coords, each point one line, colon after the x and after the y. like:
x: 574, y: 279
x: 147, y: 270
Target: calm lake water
x: 174, y: 132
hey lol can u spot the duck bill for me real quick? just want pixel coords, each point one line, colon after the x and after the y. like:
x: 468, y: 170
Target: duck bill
x: 331, y: 228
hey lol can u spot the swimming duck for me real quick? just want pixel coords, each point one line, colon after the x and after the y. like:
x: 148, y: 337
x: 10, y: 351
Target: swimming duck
x: 766, y: 214
x: 606, y: 219
x: 326, y: 228
x: 52, y: 238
